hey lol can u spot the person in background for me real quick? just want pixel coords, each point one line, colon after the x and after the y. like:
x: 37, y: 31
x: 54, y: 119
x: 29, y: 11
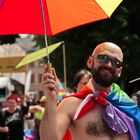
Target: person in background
x: 12, y: 119
x: 100, y: 111
x: 81, y: 78
x: 38, y: 115
x: 29, y: 122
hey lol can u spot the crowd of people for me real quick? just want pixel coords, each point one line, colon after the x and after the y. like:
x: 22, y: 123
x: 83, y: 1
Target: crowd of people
x: 13, y: 117
x: 26, y: 113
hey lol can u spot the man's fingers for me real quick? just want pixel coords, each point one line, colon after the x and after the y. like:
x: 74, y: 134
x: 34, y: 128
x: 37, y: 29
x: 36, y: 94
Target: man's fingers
x: 47, y: 76
x: 48, y: 80
x: 54, y: 73
x: 49, y: 85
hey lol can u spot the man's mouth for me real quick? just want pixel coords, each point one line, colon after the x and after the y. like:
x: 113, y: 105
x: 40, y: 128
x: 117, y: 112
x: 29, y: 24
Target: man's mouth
x: 105, y: 71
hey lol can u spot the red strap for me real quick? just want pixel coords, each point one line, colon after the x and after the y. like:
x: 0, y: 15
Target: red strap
x: 101, y: 99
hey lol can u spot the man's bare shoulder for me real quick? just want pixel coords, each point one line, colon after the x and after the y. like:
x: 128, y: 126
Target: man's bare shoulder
x: 69, y: 105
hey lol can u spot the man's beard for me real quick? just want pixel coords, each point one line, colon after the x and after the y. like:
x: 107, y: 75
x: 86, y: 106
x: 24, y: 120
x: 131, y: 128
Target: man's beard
x: 101, y: 78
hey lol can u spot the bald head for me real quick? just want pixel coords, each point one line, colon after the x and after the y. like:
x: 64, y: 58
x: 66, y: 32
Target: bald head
x: 110, y: 49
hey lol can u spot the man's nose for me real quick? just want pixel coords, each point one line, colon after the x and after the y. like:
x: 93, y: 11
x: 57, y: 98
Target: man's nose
x: 109, y: 64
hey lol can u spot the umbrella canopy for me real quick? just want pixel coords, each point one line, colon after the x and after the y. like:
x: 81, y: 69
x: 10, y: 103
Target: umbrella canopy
x: 25, y: 16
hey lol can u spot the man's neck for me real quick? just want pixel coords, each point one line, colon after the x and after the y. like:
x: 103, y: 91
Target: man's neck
x: 100, y: 88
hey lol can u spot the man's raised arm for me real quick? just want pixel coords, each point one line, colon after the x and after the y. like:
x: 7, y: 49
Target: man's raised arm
x: 54, y: 123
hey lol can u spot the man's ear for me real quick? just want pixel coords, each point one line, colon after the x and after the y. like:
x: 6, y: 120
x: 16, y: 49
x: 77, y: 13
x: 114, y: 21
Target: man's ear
x: 90, y: 62
x: 120, y: 72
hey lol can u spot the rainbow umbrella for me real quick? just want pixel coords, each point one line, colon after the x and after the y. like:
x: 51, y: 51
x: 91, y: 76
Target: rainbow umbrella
x: 50, y: 17
x: 25, y: 16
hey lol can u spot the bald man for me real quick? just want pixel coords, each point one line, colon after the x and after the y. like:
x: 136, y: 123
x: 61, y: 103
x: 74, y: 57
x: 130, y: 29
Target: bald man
x: 87, y: 113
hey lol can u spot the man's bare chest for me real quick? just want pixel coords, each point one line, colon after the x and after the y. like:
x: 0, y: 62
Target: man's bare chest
x: 92, y: 124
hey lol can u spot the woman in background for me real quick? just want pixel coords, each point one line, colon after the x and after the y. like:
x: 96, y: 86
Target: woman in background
x: 81, y: 78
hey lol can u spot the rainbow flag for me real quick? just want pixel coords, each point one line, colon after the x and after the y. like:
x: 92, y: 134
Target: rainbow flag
x: 119, y: 106
x: 61, y: 91
x: 120, y: 100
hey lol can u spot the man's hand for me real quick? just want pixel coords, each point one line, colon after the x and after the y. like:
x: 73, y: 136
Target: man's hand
x: 35, y: 108
x: 49, y: 84
x: 4, y: 129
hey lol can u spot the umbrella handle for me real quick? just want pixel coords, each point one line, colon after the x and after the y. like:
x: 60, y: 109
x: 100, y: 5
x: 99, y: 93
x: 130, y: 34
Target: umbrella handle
x: 49, y: 68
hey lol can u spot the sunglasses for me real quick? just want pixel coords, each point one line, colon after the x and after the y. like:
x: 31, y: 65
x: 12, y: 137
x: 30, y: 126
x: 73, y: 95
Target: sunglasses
x: 105, y: 59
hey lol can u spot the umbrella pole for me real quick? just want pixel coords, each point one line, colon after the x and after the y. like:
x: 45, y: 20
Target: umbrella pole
x: 64, y: 67
x: 45, y: 36
x: 134, y: 80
